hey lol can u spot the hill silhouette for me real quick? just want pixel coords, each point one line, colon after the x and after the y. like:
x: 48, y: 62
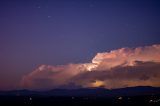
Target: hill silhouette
x: 141, y: 95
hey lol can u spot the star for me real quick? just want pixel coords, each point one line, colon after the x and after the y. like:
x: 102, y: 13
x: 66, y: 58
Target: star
x: 91, y: 5
x: 49, y: 16
x: 39, y: 7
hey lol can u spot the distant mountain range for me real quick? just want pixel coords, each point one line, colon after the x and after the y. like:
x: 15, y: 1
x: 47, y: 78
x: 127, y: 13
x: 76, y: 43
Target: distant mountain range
x: 90, y: 92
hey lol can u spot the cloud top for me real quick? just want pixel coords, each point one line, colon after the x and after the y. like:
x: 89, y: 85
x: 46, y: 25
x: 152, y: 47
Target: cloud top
x: 127, y: 56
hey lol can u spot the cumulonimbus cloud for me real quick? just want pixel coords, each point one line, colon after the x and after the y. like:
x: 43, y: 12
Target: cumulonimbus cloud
x: 119, y: 68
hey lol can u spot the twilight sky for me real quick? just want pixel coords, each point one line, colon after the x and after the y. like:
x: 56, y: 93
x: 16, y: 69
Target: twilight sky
x: 57, y: 32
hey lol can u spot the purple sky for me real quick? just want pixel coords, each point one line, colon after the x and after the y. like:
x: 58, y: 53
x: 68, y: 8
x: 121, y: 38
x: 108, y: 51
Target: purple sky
x: 35, y: 32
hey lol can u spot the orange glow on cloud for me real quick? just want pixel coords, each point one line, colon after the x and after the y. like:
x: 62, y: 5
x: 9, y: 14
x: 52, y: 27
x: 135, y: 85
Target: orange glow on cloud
x: 98, y: 83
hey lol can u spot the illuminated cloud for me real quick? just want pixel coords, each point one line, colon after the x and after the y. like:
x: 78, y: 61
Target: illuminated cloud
x: 127, y: 56
x: 142, y: 74
x: 47, y: 76
x: 119, y: 68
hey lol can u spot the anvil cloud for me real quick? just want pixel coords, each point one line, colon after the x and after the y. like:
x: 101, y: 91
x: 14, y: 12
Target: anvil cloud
x: 124, y: 67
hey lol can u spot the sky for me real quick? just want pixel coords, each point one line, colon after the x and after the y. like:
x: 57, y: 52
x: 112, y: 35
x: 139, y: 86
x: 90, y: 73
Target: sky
x: 60, y: 32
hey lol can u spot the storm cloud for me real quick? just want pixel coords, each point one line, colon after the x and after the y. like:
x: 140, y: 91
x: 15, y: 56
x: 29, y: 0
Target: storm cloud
x: 124, y: 67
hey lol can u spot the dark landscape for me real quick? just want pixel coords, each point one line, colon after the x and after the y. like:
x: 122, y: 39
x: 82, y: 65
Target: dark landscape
x: 146, y: 96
